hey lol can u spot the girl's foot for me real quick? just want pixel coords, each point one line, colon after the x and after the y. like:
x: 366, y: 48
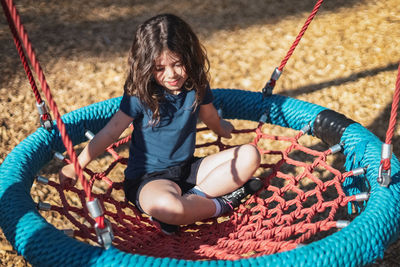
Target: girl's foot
x: 232, y: 200
x: 168, y: 229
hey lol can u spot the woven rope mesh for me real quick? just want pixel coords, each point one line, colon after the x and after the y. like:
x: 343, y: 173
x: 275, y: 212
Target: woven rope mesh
x: 300, y: 202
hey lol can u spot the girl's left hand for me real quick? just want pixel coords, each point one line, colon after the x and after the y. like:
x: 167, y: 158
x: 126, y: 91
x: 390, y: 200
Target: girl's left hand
x: 227, y: 129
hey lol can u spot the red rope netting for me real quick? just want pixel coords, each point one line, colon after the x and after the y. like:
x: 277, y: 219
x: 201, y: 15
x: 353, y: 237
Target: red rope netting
x: 300, y: 199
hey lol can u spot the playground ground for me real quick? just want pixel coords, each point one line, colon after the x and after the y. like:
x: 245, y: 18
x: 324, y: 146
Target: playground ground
x: 347, y: 61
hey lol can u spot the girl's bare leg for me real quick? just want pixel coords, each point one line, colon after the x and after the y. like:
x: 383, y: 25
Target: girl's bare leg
x: 224, y: 172
x: 218, y: 175
x: 162, y: 199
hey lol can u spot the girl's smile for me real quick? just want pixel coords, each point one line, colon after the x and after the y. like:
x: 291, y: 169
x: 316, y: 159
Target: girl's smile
x: 169, y: 72
x: 173, y: 83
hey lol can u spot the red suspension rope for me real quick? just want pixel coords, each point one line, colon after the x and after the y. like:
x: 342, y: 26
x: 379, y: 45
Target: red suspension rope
x: 384, y: 175
x: 21, y: 53
x: 19, y: 28
x: 300, y: 35
x: 267, y: 90
x: 45, y: 117
x: 20, y: 35
x: 393, y: 113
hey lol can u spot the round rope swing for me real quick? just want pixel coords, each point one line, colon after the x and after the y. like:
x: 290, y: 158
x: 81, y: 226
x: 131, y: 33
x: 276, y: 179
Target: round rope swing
x: 291, y: 221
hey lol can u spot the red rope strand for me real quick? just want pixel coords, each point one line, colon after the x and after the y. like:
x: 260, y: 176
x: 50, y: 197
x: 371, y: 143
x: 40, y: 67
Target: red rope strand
x: 270, y: 85
x: 20, y: 34
x: 300, y: 35
x: 46, y: 90
x: 393, y: 119
x: 21, y: 53
x: 393, y: 113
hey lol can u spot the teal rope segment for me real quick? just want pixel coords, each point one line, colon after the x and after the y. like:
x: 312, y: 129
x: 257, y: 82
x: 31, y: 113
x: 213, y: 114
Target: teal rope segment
x: 362, y: 242
x: 355, y: 152
x: 281, y: 110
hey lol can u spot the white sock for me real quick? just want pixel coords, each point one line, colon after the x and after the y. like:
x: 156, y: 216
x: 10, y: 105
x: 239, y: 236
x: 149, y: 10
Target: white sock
x: 218, y: 207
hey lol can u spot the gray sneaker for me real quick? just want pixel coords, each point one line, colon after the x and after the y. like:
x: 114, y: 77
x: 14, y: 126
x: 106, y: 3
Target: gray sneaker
x: 168, y: 229
x: 232, y: 200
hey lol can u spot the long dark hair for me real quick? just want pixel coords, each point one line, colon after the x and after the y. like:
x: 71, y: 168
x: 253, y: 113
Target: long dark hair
x: 165, y: 31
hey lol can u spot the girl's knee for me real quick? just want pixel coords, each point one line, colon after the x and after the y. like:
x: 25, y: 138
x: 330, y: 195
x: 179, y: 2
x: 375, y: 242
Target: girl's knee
x: 251, y: 154
x: 166, y: 207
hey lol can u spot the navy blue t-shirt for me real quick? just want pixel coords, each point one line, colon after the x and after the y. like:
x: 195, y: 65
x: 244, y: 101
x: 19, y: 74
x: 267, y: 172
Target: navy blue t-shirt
x: 169, y: 143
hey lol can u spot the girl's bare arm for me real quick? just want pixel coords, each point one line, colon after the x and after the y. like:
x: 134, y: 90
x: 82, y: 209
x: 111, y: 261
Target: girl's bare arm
x: 209, y: 115
x: 108, y: 135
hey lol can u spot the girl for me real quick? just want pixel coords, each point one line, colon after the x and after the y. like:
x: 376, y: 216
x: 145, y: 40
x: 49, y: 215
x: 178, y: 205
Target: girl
x: 166, y: 91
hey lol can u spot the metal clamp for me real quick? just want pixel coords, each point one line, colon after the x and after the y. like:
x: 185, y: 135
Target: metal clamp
x: 69, y: 232
x: 89, y: 135
x: 306, y: 128
x: 105, y: 236
x: 95, y: 208
x: 384, y: 176
x: 336, y: 148
x: 45, y: 118
x: 364, y: 196
x: 42, y: 180
x: 58, y: 156
x: 44, y: 206
x: 342, y: 224
x: 46, y: 122
x: 264, y: 117
x: 359, y: 171
x: 269, y: 87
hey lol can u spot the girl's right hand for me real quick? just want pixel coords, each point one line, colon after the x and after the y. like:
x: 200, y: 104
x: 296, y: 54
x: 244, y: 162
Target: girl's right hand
x: 67, y: 176
x: 227, y: 128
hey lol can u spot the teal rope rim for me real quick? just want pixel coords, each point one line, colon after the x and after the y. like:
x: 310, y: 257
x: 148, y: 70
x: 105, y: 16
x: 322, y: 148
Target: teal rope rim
x: 360, y: 243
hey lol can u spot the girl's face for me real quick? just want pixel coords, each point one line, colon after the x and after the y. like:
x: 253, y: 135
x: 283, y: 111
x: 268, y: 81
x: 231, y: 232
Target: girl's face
x: 169, y: 72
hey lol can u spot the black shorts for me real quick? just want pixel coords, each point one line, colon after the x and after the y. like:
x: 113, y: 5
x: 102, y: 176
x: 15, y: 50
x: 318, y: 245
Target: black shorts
x: 184, y: 175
